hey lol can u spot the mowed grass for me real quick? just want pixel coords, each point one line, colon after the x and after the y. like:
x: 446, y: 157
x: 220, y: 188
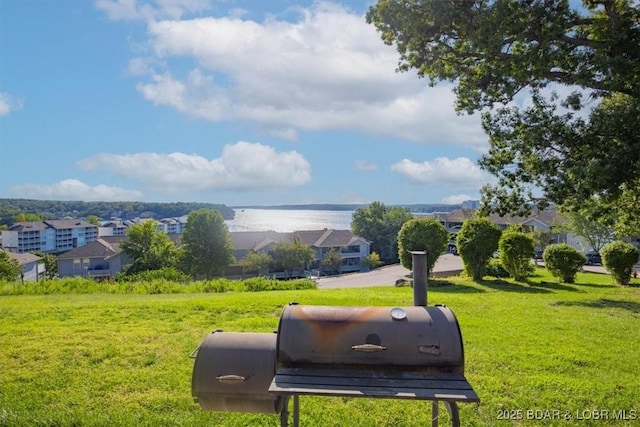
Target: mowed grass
x: 539, y: 350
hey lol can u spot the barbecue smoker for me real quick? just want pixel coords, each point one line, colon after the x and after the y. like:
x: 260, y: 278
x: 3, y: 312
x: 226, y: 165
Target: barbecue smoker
x: 381, y: 352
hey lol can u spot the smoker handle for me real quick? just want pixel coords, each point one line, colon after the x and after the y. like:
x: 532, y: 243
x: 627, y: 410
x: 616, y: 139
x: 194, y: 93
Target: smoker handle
x: 231, y: 379
x: 368, y: 348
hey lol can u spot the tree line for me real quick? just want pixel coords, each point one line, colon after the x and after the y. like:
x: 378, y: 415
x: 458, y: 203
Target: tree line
x: 19, y: 210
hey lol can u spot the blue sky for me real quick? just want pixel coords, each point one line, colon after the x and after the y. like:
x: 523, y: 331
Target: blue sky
x: 234, y: 102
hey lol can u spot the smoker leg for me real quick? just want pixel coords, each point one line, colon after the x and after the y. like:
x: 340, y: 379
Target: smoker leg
x: 296, y: 410
x: 284, y: 414
x: 452, y: 407
x: 434, y: 413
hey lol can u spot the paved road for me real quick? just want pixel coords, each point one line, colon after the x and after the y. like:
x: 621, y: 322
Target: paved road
x: 387, y: 276
x: 447, y: 265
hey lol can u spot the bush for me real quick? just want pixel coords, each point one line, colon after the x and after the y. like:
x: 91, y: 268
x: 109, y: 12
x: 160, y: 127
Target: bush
x: 372, y: 261
x: 477, y: 241
x: 619, y: 258
x: 516, y: 251
x: 422, y: 234
x: 168, y: 274
x: 494, y: 268
x: 563, y: 261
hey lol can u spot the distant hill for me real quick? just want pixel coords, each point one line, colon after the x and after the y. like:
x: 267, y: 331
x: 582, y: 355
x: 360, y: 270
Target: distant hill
x: 418, y: 208
x: 52, y: 209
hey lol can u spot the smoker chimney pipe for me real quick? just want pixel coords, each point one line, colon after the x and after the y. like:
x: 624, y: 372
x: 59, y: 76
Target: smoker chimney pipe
x: 419, y: 259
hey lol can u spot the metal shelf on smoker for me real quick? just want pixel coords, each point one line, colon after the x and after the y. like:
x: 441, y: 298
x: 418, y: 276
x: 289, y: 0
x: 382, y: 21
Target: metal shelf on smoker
x: 396, y: 385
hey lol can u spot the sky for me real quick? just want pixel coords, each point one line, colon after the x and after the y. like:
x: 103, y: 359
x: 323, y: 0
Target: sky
x: 233, y: 102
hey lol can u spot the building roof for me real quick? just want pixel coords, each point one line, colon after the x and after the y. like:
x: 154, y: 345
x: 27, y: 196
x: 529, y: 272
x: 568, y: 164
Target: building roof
x: 104, y: 247
x: 256, y: 240
x: 67, y: 223
x: 28, y: 226
x: 548, y: 217
x: 327, y: 237
x: 24, y: 258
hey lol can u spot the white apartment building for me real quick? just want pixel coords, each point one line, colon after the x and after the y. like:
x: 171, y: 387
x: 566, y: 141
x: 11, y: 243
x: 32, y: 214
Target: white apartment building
x: 56, y: 235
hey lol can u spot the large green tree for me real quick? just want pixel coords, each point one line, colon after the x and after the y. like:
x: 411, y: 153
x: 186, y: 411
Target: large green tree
x: 207, y: 248
x: 422, y: 234
x: 148, y: 248
x: 573, y: 148
x: 380, y: 225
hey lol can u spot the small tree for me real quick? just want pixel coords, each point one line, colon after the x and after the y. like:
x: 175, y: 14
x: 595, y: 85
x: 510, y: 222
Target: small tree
x: 292, y: 256
x: 148, y: 248
x: 9, y: 267
x: 372, y: 261
x: 541, y: 238
x: 50, y: 264
x: 594, y: 233
x: 619, y: 258
x: 380, y: 225
x: 516, y: 251
x: 333, y: 259
x: 422, y: 234
x: 563, y: 261
x: 477, y: 241
x: 256, y: 262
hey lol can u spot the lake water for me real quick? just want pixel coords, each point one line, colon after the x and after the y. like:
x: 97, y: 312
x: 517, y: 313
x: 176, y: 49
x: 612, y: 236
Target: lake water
x: 285, y: 220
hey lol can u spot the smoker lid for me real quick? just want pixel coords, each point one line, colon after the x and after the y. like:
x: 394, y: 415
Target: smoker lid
x: 372, y: 336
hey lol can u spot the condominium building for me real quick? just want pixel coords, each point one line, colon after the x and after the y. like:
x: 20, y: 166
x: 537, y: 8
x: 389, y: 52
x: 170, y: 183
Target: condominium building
x: 56, y: 235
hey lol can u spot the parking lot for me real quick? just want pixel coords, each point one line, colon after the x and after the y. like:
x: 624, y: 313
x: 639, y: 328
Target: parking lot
x: 447, y: 265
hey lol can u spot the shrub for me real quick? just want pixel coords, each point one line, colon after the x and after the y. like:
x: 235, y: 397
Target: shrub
x: 619, y: 258
x: 372, y: 261
x: 171, y: 274
x: 422, y: 234
x: 516, y: 251
x: 563, y: 261
x: 494, y: 268
x: 477, y: 241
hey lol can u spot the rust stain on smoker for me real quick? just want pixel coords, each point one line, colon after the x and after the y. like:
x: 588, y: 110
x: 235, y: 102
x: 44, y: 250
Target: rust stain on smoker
x: 328, y: 322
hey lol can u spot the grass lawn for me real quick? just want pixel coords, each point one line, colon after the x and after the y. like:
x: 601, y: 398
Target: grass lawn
x: 541, y: 350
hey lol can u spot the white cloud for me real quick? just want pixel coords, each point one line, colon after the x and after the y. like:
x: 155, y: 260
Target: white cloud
x: 459, y: 173
x: 133, y: 10
x: 457, y: 199
x: 73, y: 189
x: 365, y: 166
x: 9, y: 103
x: 327, y: 70
x: 241, y: 166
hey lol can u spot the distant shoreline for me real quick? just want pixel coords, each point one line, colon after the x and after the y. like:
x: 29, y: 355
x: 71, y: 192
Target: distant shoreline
x: 423, y: 207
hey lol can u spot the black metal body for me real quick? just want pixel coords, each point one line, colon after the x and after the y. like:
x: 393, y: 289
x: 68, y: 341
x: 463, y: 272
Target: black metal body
x: 232, y: 372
